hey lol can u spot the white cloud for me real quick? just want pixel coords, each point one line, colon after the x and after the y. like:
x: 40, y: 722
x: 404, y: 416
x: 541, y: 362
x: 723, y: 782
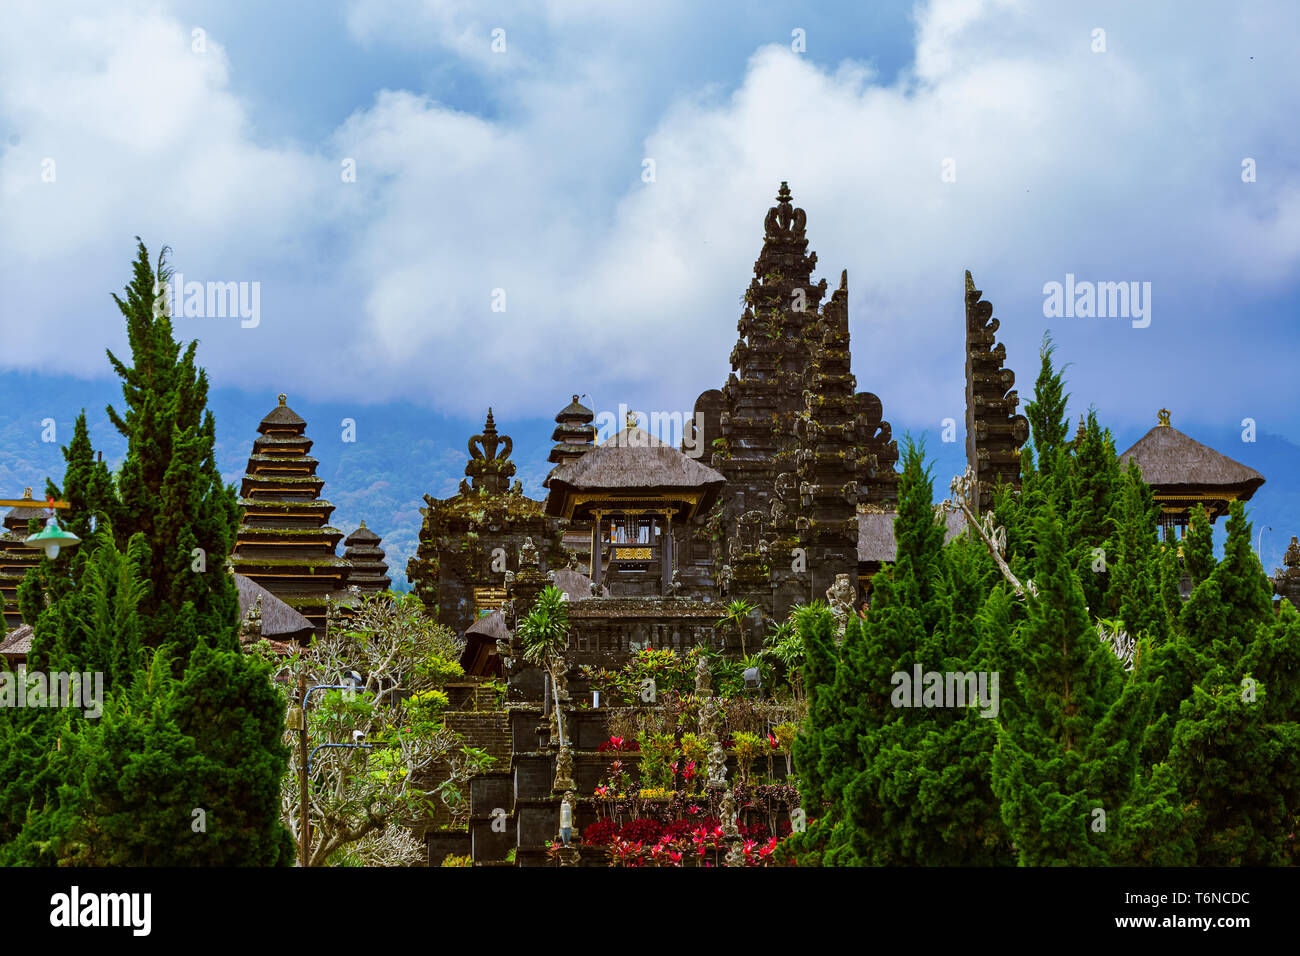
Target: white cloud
x: 1115, y: 165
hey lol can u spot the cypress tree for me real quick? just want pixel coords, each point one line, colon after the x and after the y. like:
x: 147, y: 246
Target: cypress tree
x: 1046, y: 413
x: 1069, y: 742
x: 169, y: 489
x: 1236, y: 745
x: 190, y: 723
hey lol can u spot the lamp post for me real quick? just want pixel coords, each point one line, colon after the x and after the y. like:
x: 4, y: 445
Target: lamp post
x: 1259, y: 541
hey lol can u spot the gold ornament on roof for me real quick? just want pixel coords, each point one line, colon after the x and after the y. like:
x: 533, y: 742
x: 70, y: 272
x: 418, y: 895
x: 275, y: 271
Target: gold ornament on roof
x: 1163, y: 417
x: 283, y: 398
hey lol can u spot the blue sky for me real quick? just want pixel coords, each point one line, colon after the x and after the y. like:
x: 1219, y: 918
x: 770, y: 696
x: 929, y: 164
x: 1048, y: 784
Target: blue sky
x: 521, y: 170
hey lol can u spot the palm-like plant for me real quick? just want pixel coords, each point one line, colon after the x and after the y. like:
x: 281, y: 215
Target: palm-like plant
x: 737, y: 612
x: 785, y: 645
x: 544, y: 632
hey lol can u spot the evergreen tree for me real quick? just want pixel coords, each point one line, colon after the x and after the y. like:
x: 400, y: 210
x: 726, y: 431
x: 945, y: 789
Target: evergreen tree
x: 1046, y: 413
x: 1068, y: 745
x: 1136, y: 578
x: 189, y: 722
x: 1092, y: 480
x: 169, y: 489
x: 1236, y: 745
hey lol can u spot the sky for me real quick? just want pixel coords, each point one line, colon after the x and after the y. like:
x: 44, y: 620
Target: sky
x: 461, y: 204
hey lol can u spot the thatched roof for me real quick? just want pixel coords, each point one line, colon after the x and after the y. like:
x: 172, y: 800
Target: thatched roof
x: 876, y: 534
x: 575, y: 411
x: 480, y: 656
x: 577, y: 586
x: 629, y: 461
x: 279, y: 620
x: 491, y: 626
x: 362, y: 536
x: 17, y: 644
x: 1171, y: 461
x: 282, y: 416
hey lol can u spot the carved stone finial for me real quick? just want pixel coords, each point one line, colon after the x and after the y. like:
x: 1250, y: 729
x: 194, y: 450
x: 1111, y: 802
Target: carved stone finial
x: 1292, y: 557
x: 1083, y: 430
x: 528, y: 554
x: 1162, y: 417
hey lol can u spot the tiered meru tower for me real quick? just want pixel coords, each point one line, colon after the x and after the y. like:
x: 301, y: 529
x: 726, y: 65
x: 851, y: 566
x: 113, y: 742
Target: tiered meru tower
x: 15, y: 560
x: 368, y: 571
x: 285, y: 542
x: 994, y: 431
x: 798, y: 446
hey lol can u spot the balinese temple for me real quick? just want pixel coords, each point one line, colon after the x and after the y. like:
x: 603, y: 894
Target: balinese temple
x: 574, y: 432
x: 1183, y: 473
x: 1286, y: 580
x: 471, y: 541
x: 635, y: 492
x: 369, y: 571
x: 574, y: 436
x: 802, y: 451
x: 285, y: 543
x: 994, y: 430
x: 15, y: 559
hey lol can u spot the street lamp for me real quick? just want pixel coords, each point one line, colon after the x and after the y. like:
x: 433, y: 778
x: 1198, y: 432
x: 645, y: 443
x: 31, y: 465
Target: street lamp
x: 51, y: 538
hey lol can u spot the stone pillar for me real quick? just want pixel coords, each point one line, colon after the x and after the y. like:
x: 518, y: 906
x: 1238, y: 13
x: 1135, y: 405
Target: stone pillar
x: 598, y: 546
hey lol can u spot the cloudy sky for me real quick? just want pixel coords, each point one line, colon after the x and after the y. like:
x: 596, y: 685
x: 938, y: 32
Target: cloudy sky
x: 1110, y: 141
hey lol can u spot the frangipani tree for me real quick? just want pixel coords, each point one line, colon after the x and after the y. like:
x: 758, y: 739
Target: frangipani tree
x: 385, y: 740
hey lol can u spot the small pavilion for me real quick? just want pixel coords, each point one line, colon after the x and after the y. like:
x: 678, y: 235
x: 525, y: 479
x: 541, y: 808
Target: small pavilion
x: 636, y: 491
x: 1183, y: 473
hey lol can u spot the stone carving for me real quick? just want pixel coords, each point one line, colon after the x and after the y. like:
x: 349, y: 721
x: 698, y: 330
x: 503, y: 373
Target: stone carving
x: 717, y: 765
x: 728, y: 814
x: 704, y: 680
x: 840, y: 596
x: 709, y: 714
x: 528, y: 554
x: 735, y: 855
x: 250, y: 631
x: 561, y: 681
x: 564, y: 769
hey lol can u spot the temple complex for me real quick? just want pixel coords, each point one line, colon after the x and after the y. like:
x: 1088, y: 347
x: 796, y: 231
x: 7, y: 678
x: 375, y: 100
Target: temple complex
x: 285, y: 543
